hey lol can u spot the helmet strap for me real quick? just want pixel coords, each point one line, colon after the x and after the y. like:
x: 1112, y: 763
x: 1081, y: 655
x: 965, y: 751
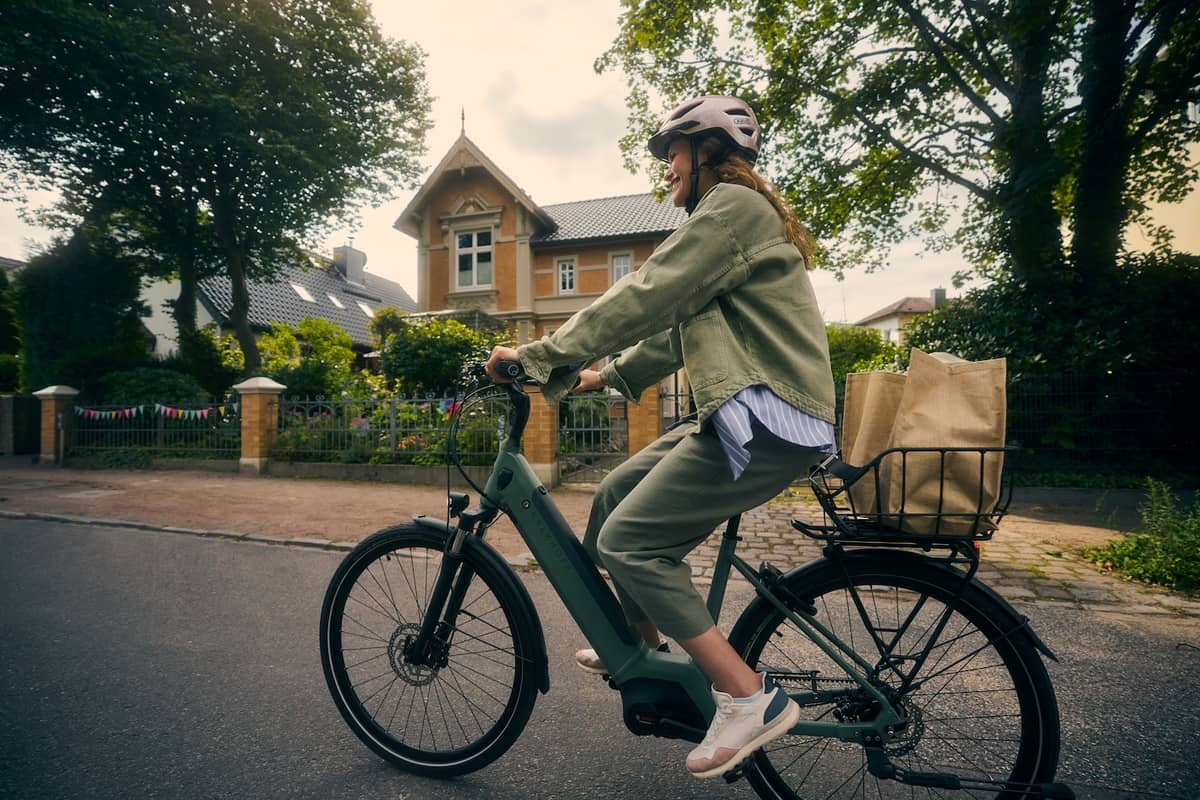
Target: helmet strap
x: 693, y: 197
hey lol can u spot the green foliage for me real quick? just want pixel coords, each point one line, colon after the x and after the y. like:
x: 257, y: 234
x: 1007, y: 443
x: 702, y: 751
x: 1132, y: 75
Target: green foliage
x: 313, y: 359
x: 125, y: 458
x: 80, y: 314
x: 854, y: 349
x: 883, y: 120
x: 205, y: 356
x: 10, y: 372
x: 1167, y: 551
x: 428, y: 356
x: 151, y: 385
x: 10, y: 336
x: 240, y: 127
x: 384, y: 324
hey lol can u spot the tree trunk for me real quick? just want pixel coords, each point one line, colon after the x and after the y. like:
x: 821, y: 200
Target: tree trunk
x: 235, y: 265
x: 1032, y: 224
x: 1098, y: 215
x: 185, y: 305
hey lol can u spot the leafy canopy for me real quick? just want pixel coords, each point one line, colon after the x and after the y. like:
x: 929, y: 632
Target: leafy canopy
x: 884, y: 121
x: 428, y: 356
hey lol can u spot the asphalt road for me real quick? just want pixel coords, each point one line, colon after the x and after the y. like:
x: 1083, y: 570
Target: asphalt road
x: 140, y: 664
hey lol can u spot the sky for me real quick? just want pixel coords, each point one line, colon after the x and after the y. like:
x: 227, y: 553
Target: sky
x: 521, y: 73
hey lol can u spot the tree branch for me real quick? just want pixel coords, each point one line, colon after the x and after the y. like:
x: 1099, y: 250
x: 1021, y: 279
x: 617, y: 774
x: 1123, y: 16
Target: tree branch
x: 993, y: 72
x: 925, y: 28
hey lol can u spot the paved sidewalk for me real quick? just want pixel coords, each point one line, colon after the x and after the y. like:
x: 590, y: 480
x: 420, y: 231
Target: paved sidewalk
x: 1033, y: 556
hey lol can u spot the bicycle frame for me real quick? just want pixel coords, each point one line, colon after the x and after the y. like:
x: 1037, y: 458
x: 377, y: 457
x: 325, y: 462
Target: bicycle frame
x: 514, y: 488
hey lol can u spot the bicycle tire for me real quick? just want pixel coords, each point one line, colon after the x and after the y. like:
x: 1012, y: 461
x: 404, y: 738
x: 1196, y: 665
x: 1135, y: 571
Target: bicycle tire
x: 982, y: 706
x: 441, y: 721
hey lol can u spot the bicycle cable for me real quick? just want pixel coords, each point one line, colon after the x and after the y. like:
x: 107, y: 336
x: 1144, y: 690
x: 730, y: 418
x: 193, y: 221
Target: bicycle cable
x: 452, y: 456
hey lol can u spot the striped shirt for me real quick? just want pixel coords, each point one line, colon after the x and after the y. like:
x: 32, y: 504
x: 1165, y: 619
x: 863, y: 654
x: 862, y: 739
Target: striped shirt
x: 733, y: 419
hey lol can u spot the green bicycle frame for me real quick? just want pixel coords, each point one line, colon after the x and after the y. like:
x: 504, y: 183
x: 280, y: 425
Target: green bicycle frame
x: 514, y: 488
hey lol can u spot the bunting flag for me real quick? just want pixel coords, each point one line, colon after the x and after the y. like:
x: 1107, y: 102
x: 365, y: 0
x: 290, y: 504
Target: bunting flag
x: 170, y: 412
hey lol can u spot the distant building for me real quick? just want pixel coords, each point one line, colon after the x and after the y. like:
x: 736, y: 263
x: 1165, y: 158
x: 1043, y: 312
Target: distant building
x: 10, y: 265
x: 340, y: 290
x: 891, y: 319
x: 484, y: 244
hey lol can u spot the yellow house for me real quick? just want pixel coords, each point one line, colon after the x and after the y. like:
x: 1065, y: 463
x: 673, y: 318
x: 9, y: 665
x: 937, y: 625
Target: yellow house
x: 483, y: 243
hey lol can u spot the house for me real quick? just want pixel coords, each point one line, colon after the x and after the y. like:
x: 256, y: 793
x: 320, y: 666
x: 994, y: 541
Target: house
x: 484, y: 244
x: 10, y: 266
x: 338, y: 289
x: 891, y: 319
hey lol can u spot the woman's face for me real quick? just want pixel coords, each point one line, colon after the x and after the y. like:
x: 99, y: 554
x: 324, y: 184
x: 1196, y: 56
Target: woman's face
x: 679, y: 171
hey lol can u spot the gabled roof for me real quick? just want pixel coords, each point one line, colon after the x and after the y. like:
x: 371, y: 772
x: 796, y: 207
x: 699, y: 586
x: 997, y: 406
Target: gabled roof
x: 463, y: 154
x: 10, y: 264
x: 623, y: 217
x: 278, y: 302
x: 905, y: 305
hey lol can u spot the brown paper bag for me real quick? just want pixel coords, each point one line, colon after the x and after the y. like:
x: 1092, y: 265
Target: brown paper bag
x: 947, y: 402
x: 868, y: 414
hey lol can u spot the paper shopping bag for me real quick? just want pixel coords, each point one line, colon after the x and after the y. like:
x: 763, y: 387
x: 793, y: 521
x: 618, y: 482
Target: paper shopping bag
x: 869, y: 411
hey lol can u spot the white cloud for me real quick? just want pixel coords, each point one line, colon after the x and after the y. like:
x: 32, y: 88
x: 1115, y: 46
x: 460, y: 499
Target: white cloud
x: 522, y: 73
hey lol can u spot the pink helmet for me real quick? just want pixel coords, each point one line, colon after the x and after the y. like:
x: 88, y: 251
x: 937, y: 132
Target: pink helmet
x: 730, y: 117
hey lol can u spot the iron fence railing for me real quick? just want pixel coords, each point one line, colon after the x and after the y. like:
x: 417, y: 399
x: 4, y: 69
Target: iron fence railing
x: 398, y: 430
x: 158, y: 430
x: 593, y: 435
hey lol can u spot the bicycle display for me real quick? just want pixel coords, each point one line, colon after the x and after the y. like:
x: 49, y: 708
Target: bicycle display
x: 915, y: 679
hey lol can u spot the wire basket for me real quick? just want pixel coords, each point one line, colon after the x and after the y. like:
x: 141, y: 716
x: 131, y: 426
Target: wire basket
x: 922, y: 494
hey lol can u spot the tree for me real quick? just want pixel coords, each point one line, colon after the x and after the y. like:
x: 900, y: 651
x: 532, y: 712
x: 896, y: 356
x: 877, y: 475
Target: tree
x: 385, y: 322
x: 80, y: 314
x: 240, y: 127
x: 428, y: 356
x: 855, y: 349
x: 876, y: 113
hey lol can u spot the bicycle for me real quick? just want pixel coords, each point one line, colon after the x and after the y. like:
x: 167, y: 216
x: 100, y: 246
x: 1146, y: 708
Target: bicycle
x: 912, y: 674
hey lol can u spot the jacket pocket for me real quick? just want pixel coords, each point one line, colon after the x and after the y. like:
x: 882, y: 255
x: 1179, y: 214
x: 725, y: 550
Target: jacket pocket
x: 705, y: 342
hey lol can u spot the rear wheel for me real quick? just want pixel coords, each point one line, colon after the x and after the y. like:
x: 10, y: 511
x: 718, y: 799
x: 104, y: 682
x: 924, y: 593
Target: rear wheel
x: 468, y: 706
x: 980, y: 705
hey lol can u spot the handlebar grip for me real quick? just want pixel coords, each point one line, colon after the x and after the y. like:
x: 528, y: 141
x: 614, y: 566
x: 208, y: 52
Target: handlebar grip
x: 510, y: 369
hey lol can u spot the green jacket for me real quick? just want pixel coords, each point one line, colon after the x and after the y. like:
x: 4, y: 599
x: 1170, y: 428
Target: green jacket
x: 726, y: 296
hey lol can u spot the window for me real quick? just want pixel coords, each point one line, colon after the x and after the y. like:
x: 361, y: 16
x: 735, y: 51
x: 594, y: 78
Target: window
x: 474, y: 259
x: 334, y: 300
x: 366, y: 309
x: 622, y: 265
x: 304, y: 295
x: 566, y: 275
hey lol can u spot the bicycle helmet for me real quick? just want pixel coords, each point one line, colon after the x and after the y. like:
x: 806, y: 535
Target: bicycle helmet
x: 730, y: 117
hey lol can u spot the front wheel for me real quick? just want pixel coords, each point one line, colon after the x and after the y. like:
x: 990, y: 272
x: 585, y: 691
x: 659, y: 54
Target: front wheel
x: 959, y: 667
x: 463, y: 710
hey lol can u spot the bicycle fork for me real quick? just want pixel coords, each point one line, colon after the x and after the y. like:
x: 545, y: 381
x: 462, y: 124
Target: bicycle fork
x: 430, y: 647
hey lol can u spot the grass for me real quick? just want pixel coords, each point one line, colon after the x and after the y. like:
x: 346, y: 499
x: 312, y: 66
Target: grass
x: 1167, y: 550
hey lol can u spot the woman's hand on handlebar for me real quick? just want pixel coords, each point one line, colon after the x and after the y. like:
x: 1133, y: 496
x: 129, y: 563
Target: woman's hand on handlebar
x: 589, y: 381
x: 498, y: 354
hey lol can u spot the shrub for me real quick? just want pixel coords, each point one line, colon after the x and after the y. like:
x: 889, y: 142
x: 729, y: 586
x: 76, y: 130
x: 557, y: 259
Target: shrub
x: 151, y: 385
x: 428, y: 356
x: 1167, y: 551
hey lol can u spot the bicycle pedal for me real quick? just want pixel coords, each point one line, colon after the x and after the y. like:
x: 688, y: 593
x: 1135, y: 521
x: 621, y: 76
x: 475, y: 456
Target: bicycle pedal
x: 733, y: 775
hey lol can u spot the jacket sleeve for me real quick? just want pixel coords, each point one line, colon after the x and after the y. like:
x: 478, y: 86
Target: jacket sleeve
x: 699, y: 261
x: 649, y: 362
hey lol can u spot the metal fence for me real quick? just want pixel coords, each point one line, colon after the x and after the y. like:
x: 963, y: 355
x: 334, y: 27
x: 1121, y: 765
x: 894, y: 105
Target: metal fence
x: 593, y: 436
x: 158, y: 430
x: 397, y: 430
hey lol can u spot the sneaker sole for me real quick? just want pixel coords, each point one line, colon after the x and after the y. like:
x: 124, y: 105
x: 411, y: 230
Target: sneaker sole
x: 592, y: 670
x: 786, y: 720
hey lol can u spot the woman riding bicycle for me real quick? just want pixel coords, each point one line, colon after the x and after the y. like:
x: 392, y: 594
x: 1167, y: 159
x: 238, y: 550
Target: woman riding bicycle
x: 726, y: 297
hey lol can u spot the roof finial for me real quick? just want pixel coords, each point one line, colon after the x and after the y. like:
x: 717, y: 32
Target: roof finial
x: 463, y: 129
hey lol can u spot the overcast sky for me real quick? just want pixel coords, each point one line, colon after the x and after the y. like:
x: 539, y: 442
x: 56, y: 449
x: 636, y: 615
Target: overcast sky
x: 521, y: 70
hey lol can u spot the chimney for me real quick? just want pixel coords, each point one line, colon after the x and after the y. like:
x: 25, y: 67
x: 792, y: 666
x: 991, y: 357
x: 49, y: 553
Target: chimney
x: 938, y: 296
x: 350, y: 262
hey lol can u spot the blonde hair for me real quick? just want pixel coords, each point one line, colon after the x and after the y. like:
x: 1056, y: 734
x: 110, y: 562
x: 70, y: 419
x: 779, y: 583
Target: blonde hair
x: 736, y: 168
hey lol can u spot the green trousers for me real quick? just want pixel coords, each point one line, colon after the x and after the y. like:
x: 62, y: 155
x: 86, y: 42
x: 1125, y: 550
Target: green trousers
x: 660, y: 504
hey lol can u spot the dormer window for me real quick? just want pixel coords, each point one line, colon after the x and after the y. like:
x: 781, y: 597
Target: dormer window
x: 304, y: 295
x: 474, y: 254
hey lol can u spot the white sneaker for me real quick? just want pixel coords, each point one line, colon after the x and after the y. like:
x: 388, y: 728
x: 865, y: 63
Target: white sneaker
x: 740, y: 728
x: 589, y: 660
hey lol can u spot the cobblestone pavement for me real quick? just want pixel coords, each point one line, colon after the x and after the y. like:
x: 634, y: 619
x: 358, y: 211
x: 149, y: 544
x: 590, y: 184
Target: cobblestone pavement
x: 1016, y: 564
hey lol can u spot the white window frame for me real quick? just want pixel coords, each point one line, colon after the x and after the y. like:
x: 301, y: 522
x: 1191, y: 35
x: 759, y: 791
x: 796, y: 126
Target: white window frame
x: 366, y: 309
x: 474, y: 251
x: 302, y: 292
x: 334, y: 300
x: 612, y: 259
x: 566, y: 274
